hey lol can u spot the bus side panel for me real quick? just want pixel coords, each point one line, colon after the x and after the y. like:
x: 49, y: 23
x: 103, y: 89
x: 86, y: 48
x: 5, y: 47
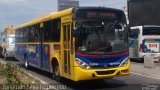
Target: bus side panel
x: 39, y: 56
x: 20, y: 51
x: 36, y: 55
x: 32, y: 54
x: 46, y: 57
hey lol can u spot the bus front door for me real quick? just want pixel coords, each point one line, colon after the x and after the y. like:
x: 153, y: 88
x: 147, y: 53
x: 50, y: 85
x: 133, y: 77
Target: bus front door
x: 66, y: 49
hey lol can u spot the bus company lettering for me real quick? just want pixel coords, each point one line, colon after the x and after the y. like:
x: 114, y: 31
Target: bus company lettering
x: 31, y: 49
x: 153, y: 45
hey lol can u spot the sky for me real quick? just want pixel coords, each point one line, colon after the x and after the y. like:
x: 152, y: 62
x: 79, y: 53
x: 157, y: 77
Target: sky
x: 15, y: 12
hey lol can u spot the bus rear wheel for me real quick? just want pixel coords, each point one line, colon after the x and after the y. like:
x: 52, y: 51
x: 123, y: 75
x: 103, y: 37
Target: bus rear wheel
x: 56, y: 72
x: 5, y: 56
x: 26, y: 64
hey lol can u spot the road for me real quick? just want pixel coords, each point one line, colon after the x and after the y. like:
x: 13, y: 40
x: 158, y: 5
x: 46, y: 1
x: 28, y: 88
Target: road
x: 135, y: 81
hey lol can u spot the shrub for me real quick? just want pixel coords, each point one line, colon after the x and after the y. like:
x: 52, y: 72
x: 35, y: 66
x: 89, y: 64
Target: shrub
x: 10, y: 73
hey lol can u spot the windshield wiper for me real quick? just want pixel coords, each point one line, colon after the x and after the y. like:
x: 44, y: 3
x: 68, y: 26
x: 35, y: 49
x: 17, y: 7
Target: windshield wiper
x: 109, y: 25
x: 106, y: 48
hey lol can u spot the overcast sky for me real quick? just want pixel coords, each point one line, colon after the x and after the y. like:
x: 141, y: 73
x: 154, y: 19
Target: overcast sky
x: 15, y: 12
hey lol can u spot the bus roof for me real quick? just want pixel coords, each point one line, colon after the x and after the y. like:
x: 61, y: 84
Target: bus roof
x: 46, y: 17
x: 9, y: 30
x: 102, y: 8
x: 59, y: 14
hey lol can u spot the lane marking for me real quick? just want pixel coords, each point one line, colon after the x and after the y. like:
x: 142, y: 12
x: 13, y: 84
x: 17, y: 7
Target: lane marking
x: 145, y: 75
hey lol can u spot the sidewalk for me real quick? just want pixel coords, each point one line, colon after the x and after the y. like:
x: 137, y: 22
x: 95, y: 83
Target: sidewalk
x: 140, y: 69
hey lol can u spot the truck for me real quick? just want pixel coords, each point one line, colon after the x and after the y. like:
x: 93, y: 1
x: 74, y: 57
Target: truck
x: 144, y: 29
x: 7, y: 43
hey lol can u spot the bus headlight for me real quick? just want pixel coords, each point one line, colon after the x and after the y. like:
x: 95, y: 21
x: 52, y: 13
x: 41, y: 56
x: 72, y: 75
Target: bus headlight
x: 82, y: 64
x: 124, y: 62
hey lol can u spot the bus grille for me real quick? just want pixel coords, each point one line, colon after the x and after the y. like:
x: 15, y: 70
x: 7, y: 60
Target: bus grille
x: 105, y: 72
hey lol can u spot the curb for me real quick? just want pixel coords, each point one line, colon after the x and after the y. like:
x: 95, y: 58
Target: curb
x: 43, y: 82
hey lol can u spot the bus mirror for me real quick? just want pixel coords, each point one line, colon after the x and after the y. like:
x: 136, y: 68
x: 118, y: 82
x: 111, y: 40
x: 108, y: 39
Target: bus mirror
x: 74, y: 29
x: 74, y: 26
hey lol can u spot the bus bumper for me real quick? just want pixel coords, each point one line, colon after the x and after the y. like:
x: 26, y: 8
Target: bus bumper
x: 84, y: 74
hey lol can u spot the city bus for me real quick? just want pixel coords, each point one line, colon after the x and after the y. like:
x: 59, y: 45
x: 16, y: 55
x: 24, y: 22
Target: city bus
x: 82, y: 43
x: 144, y: 40
x: 7, y: 43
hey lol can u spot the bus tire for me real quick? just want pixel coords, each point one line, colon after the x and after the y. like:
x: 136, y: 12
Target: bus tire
x: 26, y: 63
x: 1, y: 50
x: 5, y: 56
x: 56, y: 72
x: 142, y: 60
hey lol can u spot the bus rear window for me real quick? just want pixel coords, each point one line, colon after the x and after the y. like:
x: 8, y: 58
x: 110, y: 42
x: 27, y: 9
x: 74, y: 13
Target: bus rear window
x: 151, y: 31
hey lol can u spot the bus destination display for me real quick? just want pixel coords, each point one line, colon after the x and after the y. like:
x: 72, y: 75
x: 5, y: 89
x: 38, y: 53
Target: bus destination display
x: 101, y: 15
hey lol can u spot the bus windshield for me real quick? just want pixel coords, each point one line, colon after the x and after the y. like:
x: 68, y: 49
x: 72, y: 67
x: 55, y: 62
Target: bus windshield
x: 151, y: 31
x: 11, y: 40
x: 101, y: 38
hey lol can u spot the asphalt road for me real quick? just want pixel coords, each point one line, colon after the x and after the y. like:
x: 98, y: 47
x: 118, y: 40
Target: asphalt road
x: 132, y: 82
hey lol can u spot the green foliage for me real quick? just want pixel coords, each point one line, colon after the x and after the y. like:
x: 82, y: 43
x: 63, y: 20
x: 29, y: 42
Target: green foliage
x: 1, y: 69
x: 10, y: 73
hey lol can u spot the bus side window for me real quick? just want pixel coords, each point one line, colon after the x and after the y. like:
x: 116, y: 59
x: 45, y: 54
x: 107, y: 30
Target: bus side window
x: 56, y: 28
x: 21, y: 35
x: 31, y: 33
x: 133, y: 33
x: 36, y: 32
x: 47, y: 31
x: 26, y: 33
x: 17, y: 36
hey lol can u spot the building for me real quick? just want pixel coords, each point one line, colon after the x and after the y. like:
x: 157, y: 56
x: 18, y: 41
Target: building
x: 65, y: 4
x: 143, y: 12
